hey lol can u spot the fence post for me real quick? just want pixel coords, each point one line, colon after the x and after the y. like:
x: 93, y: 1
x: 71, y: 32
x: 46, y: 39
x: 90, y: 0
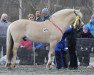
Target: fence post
x: 34, y: 54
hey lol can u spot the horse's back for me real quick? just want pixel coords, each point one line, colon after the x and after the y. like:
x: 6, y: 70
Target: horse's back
x: 20, y: 22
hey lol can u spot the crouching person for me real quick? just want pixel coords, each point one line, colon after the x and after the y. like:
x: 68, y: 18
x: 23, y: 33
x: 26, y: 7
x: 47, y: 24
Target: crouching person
x: 24, y: 52
x: 60, y: 54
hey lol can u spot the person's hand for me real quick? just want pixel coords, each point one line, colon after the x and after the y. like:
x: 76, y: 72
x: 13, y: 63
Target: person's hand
x: 22, y: 46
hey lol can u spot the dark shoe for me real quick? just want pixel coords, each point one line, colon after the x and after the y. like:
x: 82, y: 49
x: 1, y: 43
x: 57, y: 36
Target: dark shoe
x: 73, y: 68
x: 81, y: 64
x: 70, y: 68
x: 85, y: 64
x: 65, y: 67
x: 58, y: 67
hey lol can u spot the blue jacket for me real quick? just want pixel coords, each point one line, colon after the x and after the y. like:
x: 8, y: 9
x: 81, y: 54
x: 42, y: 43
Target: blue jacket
x: 62, y: 44
x: 90, y: 26
x: 38, y: 45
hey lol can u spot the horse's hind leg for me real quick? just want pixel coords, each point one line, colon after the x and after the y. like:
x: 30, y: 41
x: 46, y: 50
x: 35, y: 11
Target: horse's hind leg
x: 9, y: 58
x: 9, y: 55
x: 14, y: 55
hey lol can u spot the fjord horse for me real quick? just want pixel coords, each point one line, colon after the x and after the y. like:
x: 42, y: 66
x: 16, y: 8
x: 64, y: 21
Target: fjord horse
x: 49, y: 31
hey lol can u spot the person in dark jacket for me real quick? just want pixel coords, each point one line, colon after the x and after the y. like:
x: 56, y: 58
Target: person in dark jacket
x: 71, y: 39
x: 4, y: 23
x: 38, y: 16
x: 45, y: 14
x: 83, y: 54
x: 86, y: 33
x: 71, y: 43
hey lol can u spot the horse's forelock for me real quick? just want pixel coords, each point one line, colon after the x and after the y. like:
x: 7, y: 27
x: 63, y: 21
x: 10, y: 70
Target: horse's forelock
x: 78, y: 12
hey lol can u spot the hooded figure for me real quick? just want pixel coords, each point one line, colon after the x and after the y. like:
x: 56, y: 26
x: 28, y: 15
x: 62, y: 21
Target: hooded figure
x: 4, y: 23
x: 45, y: 14
x: 90, y: 25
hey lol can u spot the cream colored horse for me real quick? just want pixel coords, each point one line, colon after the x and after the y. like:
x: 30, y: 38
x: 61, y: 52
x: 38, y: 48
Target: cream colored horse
x: 50, y: 31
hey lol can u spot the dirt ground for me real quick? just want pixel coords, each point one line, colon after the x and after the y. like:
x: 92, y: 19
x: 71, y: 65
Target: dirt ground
x: 41, y: 70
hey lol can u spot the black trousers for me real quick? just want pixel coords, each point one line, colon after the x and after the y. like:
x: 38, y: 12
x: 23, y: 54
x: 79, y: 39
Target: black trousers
x: 71, y: 38
x: 84, y: 58
x: 60, y: 59
x: 41, y: 54
x: 3, y: 45
x: 25, y: 56
x: 73, y: 56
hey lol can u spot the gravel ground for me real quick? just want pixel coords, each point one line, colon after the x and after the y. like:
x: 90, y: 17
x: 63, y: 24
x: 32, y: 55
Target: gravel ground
x: 41, y: 70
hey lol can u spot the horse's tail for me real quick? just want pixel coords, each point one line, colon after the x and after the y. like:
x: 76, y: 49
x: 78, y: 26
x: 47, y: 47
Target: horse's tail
x: 9, y: 45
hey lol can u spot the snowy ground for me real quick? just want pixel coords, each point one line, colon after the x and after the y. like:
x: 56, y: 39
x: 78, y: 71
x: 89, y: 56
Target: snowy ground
x: 41, y: 70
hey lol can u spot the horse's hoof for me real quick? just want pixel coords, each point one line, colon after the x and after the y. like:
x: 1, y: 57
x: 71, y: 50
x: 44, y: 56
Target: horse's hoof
x: 7, y: 64
x: 12, y: 66
x: 48, y: 67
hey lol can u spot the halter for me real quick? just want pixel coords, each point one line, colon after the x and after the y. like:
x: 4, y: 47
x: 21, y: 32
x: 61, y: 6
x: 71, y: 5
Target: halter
x: 77, y: 18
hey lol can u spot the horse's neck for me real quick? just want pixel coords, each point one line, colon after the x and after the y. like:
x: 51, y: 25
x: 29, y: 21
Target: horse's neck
x: 63, y: 23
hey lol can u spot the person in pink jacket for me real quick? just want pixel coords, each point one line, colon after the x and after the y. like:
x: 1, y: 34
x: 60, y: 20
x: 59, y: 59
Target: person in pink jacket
x: 25, y: 52
x: 26, y: 44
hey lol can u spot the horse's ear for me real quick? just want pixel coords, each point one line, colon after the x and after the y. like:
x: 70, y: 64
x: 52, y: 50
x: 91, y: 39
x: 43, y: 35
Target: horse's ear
x: 79, y: 13
x: 73, y: 7
x: 79, y: 9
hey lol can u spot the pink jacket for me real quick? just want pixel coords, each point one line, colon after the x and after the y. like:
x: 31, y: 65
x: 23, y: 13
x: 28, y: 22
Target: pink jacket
x: 27, y: 44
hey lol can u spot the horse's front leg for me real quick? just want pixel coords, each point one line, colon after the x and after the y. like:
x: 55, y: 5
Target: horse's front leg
x: 51, y: 54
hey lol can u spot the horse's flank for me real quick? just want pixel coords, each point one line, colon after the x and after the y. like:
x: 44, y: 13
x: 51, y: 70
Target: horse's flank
x: 35, y: 31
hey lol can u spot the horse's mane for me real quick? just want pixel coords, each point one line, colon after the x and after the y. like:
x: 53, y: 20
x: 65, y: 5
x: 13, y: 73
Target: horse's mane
x: 64, y: 11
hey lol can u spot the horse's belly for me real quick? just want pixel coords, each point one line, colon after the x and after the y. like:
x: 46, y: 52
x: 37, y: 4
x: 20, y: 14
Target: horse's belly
x: 40, y: 39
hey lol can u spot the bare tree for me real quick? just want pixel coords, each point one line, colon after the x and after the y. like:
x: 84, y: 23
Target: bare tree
x: 20, y: 9
x: 93, y: 5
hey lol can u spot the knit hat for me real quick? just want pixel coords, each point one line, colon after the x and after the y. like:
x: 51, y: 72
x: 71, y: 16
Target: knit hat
x: 85, y: 28
x: 92, y: 17
x: 45, y: 10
